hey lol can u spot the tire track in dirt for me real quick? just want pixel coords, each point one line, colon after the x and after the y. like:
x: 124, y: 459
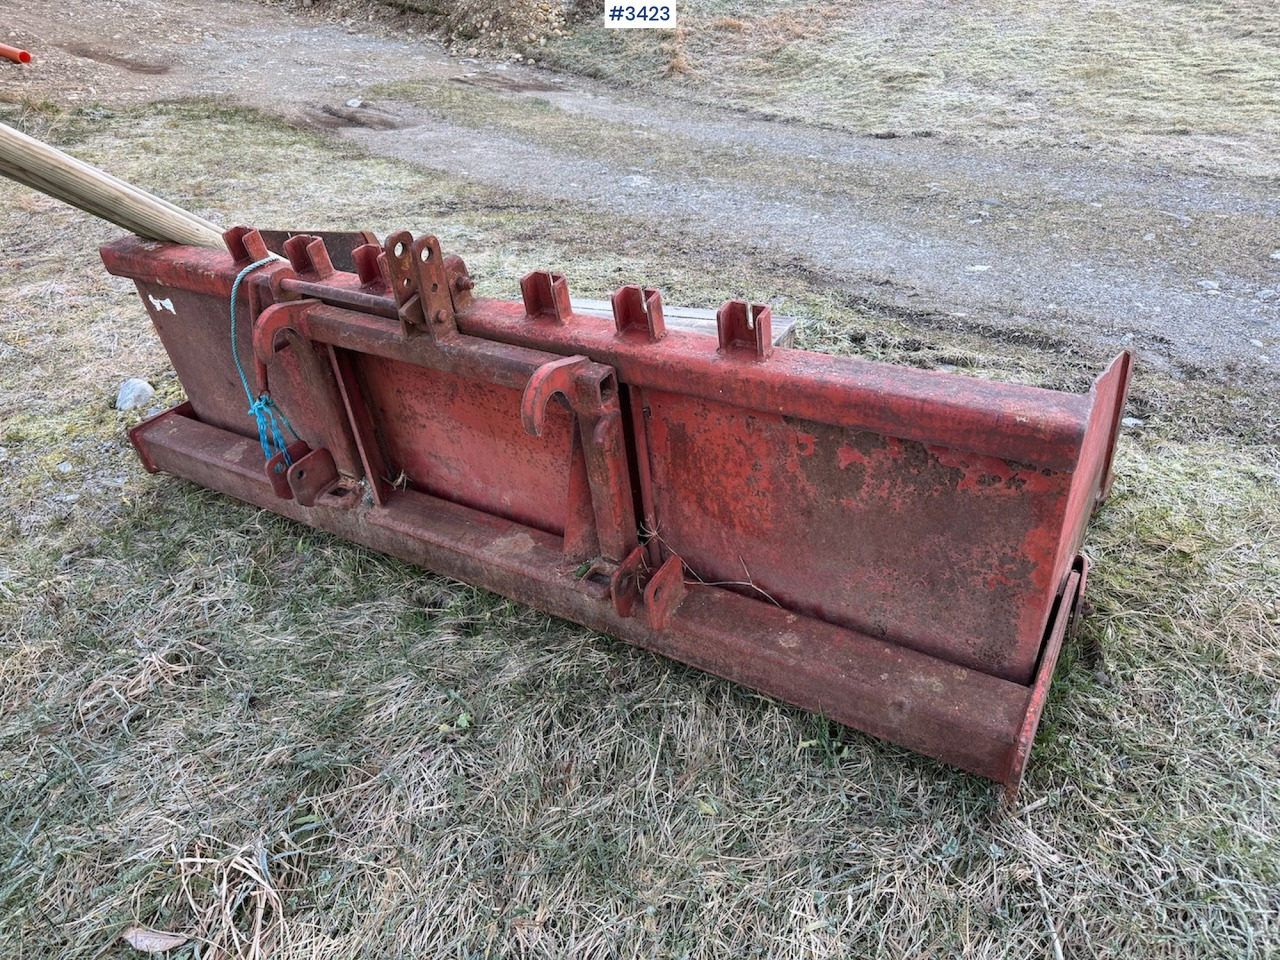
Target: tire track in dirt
x: 1105, y: 249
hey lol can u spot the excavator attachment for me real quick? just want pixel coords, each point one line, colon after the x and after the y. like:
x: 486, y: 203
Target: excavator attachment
x: 894, y: 548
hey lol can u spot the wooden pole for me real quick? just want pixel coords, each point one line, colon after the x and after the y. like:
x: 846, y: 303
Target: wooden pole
x: 44, y: 168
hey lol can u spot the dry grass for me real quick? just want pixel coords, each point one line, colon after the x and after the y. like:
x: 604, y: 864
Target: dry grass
x: 507, y: 29
x: 216, y: 723
x: 1195, y: 84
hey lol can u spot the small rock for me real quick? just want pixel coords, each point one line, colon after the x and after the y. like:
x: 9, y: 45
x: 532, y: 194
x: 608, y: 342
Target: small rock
x: 1263, y: 294
x: 1102, y: 678
x: 355, y: 103
x: 948, y: 367
x: 1256, y: 343
x: 1208, y: 284
x: 4, y: 454
x: 1275, y: 254
x: 636, y: 181
x: 134, y: 392
x: 978, y: 268
x: 1133, y: 422
x: 64, y: 467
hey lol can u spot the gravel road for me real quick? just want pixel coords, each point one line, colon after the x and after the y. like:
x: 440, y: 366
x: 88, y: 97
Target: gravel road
x: 1182, y: 265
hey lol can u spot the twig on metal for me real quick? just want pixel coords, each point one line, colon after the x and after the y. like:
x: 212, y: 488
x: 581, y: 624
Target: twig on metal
x: 647, y: 534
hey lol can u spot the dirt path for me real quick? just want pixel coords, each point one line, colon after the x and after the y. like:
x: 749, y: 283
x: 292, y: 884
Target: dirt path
x: 1067, y: 242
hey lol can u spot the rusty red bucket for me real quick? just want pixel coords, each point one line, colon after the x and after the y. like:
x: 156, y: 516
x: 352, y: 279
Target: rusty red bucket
x: 897, y: 549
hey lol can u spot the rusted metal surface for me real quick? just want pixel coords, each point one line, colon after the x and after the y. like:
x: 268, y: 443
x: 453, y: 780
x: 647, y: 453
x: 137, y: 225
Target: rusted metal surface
x: 895, y: 548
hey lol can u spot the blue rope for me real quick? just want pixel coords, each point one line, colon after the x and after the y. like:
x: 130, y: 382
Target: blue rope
x: 269, y: 418
x: 262, y: 409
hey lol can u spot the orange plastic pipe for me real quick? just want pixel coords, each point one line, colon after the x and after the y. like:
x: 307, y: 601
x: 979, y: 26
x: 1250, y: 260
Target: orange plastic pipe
x: 14, y: 54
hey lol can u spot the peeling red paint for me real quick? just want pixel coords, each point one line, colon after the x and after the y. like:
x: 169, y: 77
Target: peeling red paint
x: 882, y: 544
